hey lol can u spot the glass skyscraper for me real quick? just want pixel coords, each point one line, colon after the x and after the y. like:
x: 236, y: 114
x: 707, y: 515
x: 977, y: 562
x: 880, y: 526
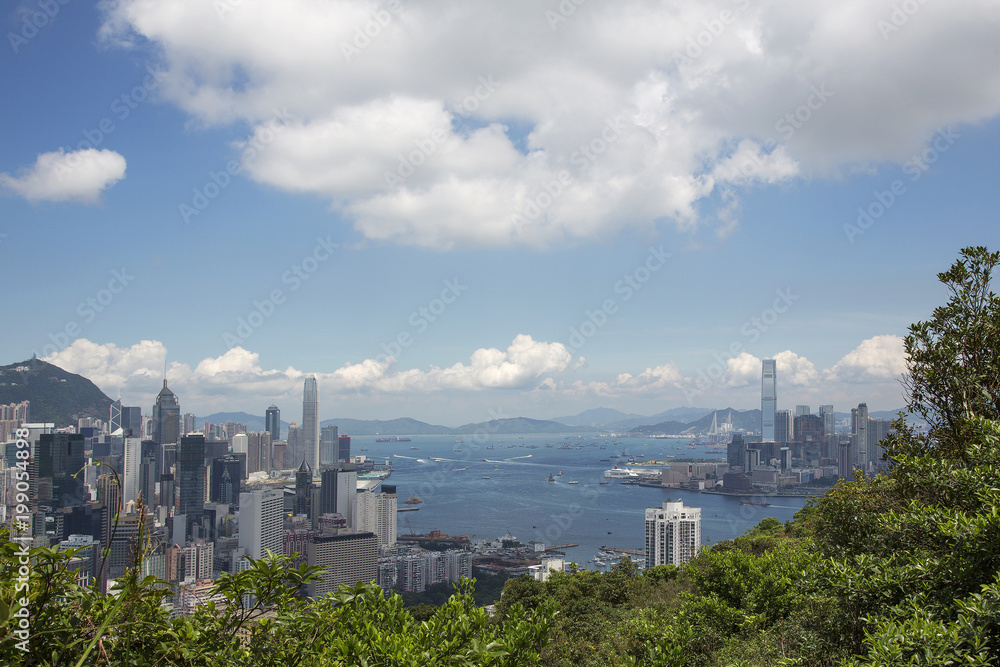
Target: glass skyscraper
x: 310, y: 423
x: 768, y: 399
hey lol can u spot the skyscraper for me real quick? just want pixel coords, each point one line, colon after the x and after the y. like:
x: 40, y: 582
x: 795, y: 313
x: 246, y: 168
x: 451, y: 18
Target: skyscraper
x: 829, y: 431
x: 261, y: 520
x: 191, y: 478
x: 673, y: 533
x: 328, y: 445
x: 131, y: 470
x: 768, y: 399
x: 310, y: 423
x: 293, y: 447
x: 339, y: 491
x: 860, y: 439
x: 783, y: 429
x: 166, y: 417
x: 345, y: 449
x: 272, y: 422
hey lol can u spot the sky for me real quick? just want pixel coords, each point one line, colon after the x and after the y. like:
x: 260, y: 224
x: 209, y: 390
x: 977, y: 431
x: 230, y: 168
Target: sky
x: 457, y: 211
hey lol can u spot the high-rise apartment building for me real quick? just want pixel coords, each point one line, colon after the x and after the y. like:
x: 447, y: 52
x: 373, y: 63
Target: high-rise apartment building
x: 261, y: 521
x: 348, y: 558
x: 768, y: 399
x: 673, y: 533
x: 189, y: 423
x: 166, y: 417
x: 377, y: 514
x: 272, y: 422
x: 859, y: 419
x: 310, y: 423
x: 802, y: 410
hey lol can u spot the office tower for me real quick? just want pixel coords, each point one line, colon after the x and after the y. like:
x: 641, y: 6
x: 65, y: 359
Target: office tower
x: 736, y: 452
x: 258, y: 451
x: 303, y: 490
x: 168, y: 491
x: 147, y: 477
x: 57, y: 460
x: 768, y: 399
x: 115, y: 420
x: 861, y: 449
x: 131, y: 421
x: 329, y: 445
x: 783, y: 426
x: 166, y: 417
x: 293, y: 448
x: 346, y: 559
x: 261, y: 520
x: 829, y: 418
x: 191, y: 479
x: 189, y: 423
x: 345, y: 449
x: 272, y: 422
x: 673, y: 533
x: 377, y: 514
x: 339, y: 491
x: 131, y: 470
x: 226, y: 468
x: 109, y: 496
x: 802, y: 410
x: 845, y: 458
x: 241, y: 444
x: 310, y: 422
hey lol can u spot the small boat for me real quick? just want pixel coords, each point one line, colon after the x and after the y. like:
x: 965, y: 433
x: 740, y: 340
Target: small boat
x: 762, y: 503
x: 574, y: 482
x: 603, y: 482
x: 559, y: 474
x: 486, y: 476
x: 550, y: 478
x: 413, y: 501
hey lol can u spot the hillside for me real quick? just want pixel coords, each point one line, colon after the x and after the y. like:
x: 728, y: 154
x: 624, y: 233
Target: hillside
x: 55, y: 395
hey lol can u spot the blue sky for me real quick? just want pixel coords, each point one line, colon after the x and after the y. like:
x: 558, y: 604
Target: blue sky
x: 745, y: 160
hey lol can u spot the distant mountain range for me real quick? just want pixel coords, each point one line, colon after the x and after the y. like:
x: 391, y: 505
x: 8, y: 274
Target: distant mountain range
x: 62, y: 398
x: 56, y: 396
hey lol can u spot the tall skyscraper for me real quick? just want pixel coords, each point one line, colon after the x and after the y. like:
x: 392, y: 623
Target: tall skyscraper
x: 344, y: 454
x: 768, y: 399
x: 801, y: 410
x: 272, y: 422
x: 131, y: 470
x: 377, y: 514
x: 328, y: 445
x: 861, y: 436
x: 131, y: 421
x: 310, y: 423
x: 339, y: 491
x: 189, y: 423
x: 829, y: 419
x: 57, y: 459
x: 783, y: 429
x: 673, y: 533
x: 262, y: 522
x: 166, y: 417
x: 293, y: 447
x: 115, y: 422
x: 191, y: 479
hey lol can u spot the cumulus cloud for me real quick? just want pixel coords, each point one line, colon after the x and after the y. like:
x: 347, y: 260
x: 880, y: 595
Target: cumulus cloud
x: 75, y: 176
x: 878, y: 359
x: 554, y: 127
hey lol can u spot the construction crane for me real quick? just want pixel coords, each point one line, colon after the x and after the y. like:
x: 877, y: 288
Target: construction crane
x: 412, y: 532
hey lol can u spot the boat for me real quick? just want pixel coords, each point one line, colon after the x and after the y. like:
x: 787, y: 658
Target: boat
x: 486, y: 476
x: 413, y: 501
x: 574, y: 482
x: 550, y: 478
x: 604, y: 481
x: 762, y: 503
x: 559, y: 474
x: 394, y: 438
x: 621, y: 473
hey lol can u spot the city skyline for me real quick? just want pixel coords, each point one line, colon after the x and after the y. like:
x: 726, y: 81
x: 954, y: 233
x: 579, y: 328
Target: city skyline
x: 559, y: 220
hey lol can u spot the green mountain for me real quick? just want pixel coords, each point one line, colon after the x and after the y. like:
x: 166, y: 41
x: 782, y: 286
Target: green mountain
x: 55, y: 395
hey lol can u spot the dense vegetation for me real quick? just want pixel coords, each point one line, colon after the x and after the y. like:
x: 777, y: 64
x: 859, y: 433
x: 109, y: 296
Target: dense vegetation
x: 899, y: 569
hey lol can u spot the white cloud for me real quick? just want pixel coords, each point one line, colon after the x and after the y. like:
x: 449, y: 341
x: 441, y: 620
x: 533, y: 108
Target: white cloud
x: 621, y: 100
x: 878, y: 359
x: 57, y: 176
x: 794, y: 370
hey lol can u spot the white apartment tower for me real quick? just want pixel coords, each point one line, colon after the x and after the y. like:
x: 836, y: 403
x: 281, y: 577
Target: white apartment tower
x: 262, y: 522
x: 673, y: 533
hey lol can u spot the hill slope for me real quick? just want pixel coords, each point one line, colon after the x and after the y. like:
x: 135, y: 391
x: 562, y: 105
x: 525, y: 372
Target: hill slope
x: 56, y: 396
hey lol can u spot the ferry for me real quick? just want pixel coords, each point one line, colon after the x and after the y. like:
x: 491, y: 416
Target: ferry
x: 762, y: 503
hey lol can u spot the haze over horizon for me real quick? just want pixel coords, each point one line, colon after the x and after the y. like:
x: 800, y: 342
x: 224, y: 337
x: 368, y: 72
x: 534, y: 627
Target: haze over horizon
x: 448, y: 210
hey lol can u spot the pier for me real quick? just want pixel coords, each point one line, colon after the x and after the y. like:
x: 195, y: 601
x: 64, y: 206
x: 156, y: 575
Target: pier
x: 630, y: 552
x: 560, y: 547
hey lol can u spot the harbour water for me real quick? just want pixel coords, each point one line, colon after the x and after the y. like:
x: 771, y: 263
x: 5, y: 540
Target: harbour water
x: 448, y: 473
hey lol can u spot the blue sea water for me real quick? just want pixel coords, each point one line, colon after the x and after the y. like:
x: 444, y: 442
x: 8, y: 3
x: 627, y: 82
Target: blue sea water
x: 447, y: 474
